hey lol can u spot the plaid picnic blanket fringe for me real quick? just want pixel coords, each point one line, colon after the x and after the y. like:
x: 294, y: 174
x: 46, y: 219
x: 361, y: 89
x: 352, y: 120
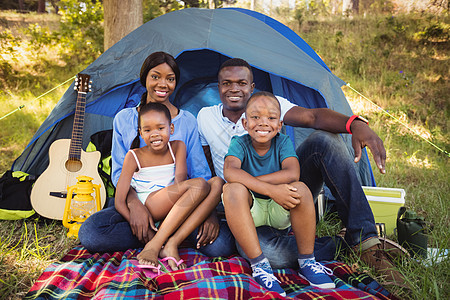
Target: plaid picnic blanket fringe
x: 81, y: 275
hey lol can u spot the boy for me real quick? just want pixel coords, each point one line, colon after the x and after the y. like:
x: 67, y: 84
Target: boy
x: 262, y: 172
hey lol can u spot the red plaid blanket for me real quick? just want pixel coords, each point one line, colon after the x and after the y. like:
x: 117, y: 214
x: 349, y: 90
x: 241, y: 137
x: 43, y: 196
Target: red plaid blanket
x: 81, y: 275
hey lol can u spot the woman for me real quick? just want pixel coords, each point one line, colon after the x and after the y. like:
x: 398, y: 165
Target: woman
x: 159, y: 74
x: 107, y: 230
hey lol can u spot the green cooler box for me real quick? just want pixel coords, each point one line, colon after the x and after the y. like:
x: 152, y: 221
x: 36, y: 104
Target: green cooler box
x: 385, y: 203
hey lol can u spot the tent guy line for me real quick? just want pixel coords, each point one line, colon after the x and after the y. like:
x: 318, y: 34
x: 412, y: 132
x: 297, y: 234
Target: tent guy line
x: 44, y: 94
x: 399, y: 121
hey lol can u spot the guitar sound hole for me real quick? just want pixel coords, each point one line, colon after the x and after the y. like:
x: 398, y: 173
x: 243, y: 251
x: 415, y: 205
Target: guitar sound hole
x: 73, y: 165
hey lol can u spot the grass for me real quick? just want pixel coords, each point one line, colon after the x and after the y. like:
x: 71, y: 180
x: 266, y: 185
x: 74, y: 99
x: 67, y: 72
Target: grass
x: 27, y: 247
x: 389, y: 60
x: 399, y: 62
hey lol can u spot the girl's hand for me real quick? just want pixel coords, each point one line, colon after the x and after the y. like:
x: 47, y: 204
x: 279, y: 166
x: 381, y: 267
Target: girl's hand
x: 208, y: 231
x: 141, y: 222
x: 286, y: 195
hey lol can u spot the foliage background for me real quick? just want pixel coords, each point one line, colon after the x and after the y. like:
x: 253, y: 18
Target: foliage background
x: 396, y: 56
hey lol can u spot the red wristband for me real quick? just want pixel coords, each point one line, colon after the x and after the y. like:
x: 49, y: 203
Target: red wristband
x: 352, y: 118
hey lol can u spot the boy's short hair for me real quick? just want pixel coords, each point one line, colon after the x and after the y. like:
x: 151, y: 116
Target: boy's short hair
x: 236, y: 62
x: 264, y: 94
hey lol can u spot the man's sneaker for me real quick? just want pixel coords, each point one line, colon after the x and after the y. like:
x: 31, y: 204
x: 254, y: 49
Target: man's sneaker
x: 317, y: 275
x: 377, y: 258
x: 265, y: 277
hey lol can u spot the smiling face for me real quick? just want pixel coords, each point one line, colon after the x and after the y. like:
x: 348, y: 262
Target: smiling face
x: 262, y: 120
x: 235, y: 88
x: 160, y: 83
x: 155, y: 129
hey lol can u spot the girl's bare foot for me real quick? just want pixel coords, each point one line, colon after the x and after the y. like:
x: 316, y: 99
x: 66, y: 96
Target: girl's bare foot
x: 171, y: 250
x: 148, y: 256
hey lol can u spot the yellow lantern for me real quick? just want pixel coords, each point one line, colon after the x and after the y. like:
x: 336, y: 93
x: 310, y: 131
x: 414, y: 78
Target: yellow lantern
x: 79, y: 207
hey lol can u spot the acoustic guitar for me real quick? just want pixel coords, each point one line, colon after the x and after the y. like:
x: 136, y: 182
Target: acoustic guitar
x: 67, y: 161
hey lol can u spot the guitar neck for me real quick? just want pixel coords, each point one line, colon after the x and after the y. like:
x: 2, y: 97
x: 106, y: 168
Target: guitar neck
x: 78, y: 126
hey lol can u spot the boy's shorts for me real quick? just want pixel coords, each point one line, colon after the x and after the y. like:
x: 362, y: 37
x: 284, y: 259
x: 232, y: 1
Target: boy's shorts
x: 268, y: 212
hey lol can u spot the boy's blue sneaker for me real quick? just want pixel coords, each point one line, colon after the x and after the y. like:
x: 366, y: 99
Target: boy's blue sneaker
x: 265, y: 277
x: 317, y: 275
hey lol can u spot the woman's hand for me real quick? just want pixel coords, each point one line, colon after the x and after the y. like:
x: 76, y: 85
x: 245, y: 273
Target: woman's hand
x: 208, y: 231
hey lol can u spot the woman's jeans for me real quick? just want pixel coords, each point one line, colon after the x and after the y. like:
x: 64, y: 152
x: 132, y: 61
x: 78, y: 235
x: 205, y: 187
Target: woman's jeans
x: 108, y: 231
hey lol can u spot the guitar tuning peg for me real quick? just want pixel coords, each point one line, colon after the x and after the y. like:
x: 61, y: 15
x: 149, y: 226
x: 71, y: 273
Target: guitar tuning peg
x: 75, y: 88
x: 90, y: 87
x: 76, y: 78
x: 90, y: 81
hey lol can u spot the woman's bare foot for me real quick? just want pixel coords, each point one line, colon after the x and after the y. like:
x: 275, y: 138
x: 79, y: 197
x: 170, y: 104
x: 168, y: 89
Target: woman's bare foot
x: 171, y: 250
x: 148, y: 256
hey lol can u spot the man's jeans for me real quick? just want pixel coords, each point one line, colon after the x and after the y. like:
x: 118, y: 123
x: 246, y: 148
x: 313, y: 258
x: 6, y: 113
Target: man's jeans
x: 324, y: 158
x: 108, y: 231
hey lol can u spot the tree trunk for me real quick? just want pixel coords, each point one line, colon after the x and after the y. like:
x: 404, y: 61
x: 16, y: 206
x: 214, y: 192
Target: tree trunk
x: 120, y: 18
x: 334, y: 6
x: 41, y: 7
x: 21, y: 6
x: 350, y: 6
x: 355, y: 6
x: 192, y: 3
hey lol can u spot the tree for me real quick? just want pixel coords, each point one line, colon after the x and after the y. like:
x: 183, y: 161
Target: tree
x: 55, y: 5
x: 155, y: 8
x: 21, y: 5
x: 41, y: 7
x: 350, y: 6
x: 192, y: 3
x: 81, y: 30
x: 121, y: 17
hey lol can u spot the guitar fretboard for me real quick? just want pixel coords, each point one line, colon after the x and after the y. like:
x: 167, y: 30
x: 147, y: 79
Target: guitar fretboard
x: 78, y: 125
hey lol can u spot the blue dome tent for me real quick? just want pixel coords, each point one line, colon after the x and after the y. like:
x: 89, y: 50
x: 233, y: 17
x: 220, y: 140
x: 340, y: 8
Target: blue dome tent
x: 200, y: 40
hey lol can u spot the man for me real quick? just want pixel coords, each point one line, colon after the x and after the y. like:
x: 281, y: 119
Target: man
x: 323, y: 157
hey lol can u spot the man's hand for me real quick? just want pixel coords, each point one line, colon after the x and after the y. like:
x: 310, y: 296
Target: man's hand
x: 363, y: 136
x: 328, y: 120
x: 141, y: 222
x: 285, y: 195
x: 208, y: 231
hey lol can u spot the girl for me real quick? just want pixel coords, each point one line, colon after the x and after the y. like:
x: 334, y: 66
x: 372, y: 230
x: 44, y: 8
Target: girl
x: 157, y: 172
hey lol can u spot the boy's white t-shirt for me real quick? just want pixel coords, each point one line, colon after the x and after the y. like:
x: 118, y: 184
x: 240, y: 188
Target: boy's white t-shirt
x: 216, y: 130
